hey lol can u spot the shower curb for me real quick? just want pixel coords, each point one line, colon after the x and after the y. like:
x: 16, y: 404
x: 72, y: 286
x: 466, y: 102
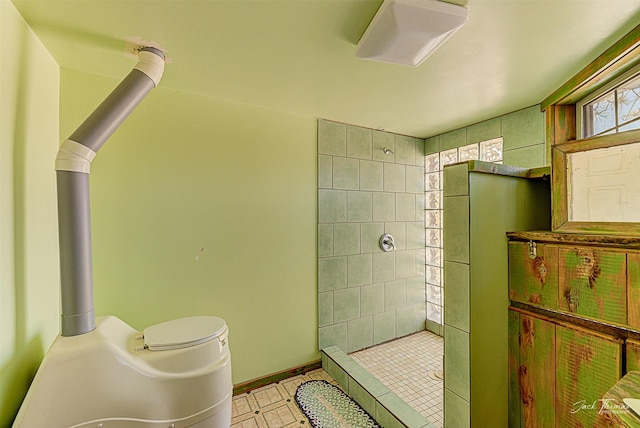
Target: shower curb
x: 378, y: 400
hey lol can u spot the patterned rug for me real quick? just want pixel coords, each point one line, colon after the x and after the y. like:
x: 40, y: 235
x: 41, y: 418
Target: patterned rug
x: 326, y: 406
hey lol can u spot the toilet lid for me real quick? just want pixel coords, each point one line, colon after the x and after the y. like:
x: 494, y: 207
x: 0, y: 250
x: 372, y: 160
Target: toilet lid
x: 183, y: 332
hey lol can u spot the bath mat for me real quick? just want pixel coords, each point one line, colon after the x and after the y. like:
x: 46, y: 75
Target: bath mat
x: 326, y: 406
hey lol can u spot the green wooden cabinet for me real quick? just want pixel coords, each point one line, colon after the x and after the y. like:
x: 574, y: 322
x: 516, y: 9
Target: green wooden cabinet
x: 533, y: 278
x: 558, y: 372
x: 593, y: 283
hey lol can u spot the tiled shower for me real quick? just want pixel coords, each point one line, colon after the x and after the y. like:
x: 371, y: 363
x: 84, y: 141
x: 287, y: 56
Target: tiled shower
x: 369, y: 183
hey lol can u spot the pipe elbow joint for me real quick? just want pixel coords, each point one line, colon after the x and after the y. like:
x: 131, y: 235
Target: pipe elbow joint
x: 74, y: 157
x: 151, y: 63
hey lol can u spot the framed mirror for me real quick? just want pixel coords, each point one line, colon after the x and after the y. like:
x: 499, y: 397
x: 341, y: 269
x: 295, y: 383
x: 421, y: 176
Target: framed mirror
x: 596, y: 185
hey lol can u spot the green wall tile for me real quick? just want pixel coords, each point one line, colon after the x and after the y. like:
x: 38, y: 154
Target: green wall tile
x: 369, y: 382
x: 325, y: 308
x: 384, y: 207
x: 333, y: 335
x: 416, y: 291
x: 453, y: 139
x: 395, y: 294
x: 457, y: 412
x: 527, y: 157
x: 382, y: 140
x: 420, y: 152
x: 406, y: 207
x: 337, y: 373
x: 420, y: 207
x: 394, y: 177
x: 456, y: 229
x: 406, y: 265
x: 359, y: 142
x: 359, y: 270
x: 384, y: 327
x: 421, y: 257
x: 370, y: 234
x: 346, y: 239
x: 411, y: 319
x: 362, y: 397
x: 457, y: 294
x: 346, y: 173
x: 371, y: 176
x: 456, y: 361
x: 432, y: 145
x: 325, y: 240
x: 325, y: 171
x: 414, y: 179
x: 332, y: 273
x: 346, y: 304
x: 415, y: 235
x: 401, y: 410
x: 434, y: 327
x: 371, y: 299
x: 523, y: 128
x: 397, y: 229
x: 359, y: 334
x: 332, y: 138
x: 332, y: 206
x: 483, y: 131
x: 359, y: 207
x: 385, y: 418
x: 384, y: 266
x: 405, y: 150
x: 456, y: 180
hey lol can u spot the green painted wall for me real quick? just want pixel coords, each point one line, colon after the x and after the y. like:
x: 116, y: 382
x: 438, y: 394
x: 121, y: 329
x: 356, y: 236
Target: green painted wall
x: 28, y: 222
x: 203, y: 207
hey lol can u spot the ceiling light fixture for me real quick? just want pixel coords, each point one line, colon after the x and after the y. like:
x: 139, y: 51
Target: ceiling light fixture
x: 408, y: 31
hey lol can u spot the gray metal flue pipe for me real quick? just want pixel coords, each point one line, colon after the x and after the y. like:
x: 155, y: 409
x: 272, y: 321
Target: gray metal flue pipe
x: 72, y: 173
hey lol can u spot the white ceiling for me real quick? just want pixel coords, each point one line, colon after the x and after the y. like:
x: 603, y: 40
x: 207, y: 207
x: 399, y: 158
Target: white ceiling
x: 297, y: 56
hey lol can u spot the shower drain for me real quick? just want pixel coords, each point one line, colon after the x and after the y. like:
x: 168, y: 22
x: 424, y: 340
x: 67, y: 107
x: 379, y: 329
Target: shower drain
x: 436, y: 375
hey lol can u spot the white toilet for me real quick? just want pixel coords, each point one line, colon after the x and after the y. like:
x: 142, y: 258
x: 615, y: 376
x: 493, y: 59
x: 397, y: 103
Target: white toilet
x: 173, y: 374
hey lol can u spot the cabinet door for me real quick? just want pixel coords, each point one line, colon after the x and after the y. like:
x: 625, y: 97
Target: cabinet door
x: 593, y: 283
x: 633, y: 289
x: 587, y: 366
x: 534, y: 368
x: 533, y: 280
x: 632, y: 356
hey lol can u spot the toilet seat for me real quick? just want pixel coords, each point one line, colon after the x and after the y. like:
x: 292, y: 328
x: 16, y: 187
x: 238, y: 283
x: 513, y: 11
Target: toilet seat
x: 183, y: 333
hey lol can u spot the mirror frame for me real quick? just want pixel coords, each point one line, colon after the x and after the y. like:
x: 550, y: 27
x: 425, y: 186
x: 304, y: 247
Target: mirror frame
x: 560, y: 118
x: 560, y: 191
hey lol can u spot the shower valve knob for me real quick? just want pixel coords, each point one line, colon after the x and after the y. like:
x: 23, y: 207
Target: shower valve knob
x: 387, y: 243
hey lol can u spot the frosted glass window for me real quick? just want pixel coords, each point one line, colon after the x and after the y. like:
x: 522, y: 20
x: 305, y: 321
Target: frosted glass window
x: 432, y: 181
x: 433, y: 275
x: 433, y: 294
x: 491, y: 150
x: 434, y: 256
x: 433, y: 238
x: 448, y: 157
x: 433, y: 218
x: 433, y: 200
x: 432, y: 162
x: 470, y: 152
x: 434, y: 313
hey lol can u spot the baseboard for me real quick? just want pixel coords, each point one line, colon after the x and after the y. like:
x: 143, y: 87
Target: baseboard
x: 241, y: 388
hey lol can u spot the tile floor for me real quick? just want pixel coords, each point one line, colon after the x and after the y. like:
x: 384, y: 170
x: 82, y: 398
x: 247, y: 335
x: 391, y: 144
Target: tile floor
x: 273, y: 405
x: 404, y: 366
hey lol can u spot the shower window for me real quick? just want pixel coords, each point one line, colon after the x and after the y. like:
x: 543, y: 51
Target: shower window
x: 488, y: 151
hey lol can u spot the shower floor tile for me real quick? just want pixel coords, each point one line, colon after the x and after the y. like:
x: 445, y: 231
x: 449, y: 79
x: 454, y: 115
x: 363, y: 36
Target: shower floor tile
x: 404, y: 365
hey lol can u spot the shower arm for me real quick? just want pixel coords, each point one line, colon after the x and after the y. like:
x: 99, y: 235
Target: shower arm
x: 72, y: 173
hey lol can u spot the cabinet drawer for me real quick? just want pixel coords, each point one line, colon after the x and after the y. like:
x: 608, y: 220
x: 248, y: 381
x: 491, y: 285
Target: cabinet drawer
x: 593, y: 283
x: 533, y: 280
